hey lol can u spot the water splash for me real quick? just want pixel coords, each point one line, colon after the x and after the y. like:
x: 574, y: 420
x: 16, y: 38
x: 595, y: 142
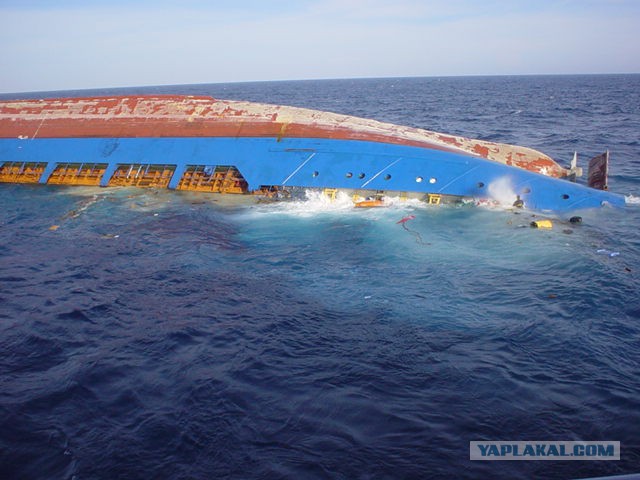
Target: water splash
x: 404, y: 203
x: 502, y: 192
x: 316, y: 202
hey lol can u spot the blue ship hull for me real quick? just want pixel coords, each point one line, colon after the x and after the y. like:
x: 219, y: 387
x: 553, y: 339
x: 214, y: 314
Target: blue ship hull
x: 313, y: 163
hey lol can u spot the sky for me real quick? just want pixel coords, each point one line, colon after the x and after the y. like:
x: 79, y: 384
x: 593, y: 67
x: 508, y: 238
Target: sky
x: 48, y: 45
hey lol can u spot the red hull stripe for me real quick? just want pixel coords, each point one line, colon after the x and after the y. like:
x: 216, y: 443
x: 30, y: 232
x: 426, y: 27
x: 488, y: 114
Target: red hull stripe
x: 191, y: 116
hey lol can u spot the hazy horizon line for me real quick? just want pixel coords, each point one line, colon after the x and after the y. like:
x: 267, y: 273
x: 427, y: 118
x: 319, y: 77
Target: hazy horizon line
x: 329, y: 79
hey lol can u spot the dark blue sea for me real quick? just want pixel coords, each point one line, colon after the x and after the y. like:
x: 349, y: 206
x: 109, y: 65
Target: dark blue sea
x: 148, y: 334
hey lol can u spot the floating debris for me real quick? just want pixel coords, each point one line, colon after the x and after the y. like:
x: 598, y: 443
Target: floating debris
x: 418, y: 237
x: 543, y: 224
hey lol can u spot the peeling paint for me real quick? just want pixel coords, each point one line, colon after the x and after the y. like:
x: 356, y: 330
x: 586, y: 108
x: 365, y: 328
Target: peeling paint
x: 200, y: 116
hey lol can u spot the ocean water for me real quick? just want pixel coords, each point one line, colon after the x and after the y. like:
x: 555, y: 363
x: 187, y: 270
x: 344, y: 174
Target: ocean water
x: 156, y: 334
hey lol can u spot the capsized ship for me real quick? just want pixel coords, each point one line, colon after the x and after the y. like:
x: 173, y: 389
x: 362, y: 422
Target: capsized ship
x: 203, y: 144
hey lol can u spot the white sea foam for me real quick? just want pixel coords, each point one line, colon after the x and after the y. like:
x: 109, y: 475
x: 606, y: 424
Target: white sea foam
x: 317, y: 202
x: 404, y: 203
x: 632, y: 200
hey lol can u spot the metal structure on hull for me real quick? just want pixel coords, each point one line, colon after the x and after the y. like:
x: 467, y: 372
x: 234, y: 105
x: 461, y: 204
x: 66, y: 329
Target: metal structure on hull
x: 202, y: 144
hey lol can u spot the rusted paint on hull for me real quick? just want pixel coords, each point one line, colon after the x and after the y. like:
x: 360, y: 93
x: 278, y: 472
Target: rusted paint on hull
x: 194, y: 116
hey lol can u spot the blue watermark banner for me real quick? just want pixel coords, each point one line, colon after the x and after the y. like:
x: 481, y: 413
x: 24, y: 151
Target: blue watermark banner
x: 543, y: 450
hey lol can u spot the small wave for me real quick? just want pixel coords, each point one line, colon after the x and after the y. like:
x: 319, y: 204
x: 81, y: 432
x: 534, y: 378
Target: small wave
x: 74, y: 314
x: 632, y: 200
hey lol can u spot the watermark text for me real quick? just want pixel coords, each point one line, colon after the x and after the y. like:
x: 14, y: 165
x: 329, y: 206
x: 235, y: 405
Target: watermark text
x: 543, y: 450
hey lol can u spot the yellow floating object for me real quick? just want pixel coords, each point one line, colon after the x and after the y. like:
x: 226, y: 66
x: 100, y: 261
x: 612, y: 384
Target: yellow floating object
x: 542, y: 224
x: 53, y: 228
x: 370, y: 203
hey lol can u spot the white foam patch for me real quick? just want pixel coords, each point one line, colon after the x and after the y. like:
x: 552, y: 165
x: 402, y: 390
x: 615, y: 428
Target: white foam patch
x: 632, y: 200
x: 317, y: 202
x: 402, y: 203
